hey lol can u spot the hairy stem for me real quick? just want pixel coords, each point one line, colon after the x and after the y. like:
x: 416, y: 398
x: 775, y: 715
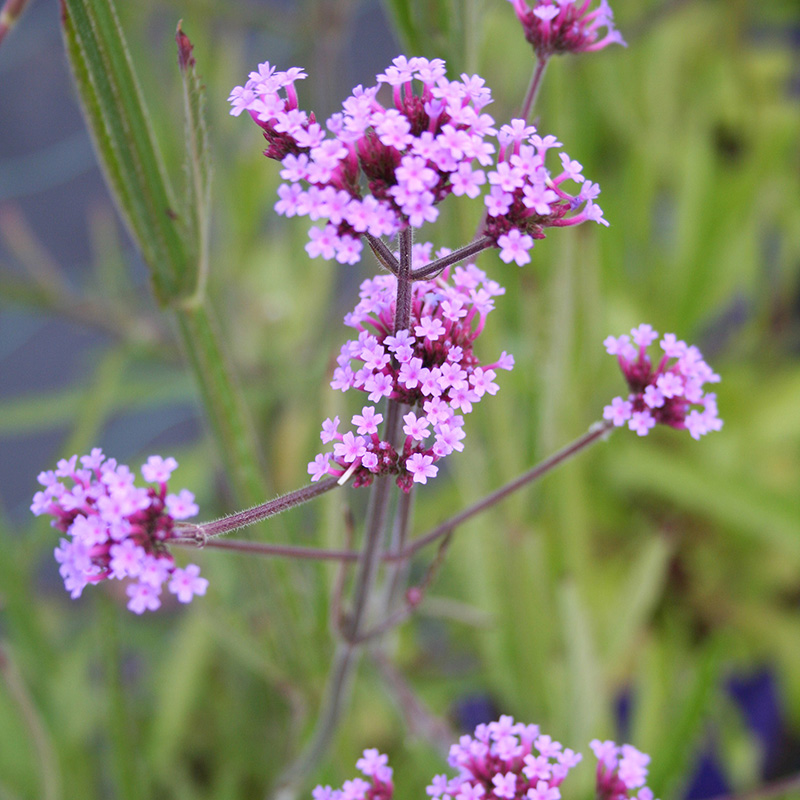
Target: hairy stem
x: 469, y: 250
x: 241, y: 519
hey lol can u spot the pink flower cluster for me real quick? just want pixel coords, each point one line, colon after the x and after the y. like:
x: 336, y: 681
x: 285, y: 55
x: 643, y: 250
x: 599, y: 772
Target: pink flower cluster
x: 379, y: 786
x: 664, y: 393
x: 566, y: 26
x: 620, y: 770
x: 378, y: 170
x: 116, y: 529
x: 505, y: 760
x: 430, y: 368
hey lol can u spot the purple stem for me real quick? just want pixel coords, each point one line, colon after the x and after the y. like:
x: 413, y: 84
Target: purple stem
x: 596, y: 432
x: 533, y: 88
x: 249, y: 516
x: 469, y: 250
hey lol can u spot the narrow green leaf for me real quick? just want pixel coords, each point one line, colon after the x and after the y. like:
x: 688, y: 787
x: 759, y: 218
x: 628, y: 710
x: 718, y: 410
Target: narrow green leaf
x: 198, y: 162
x: 124, y: 140
x: 638, y: 597
x: 585, y: 676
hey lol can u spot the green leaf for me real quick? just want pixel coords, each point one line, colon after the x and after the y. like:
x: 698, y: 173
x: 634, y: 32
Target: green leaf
x: 198, y: 161
x: 124, y: 141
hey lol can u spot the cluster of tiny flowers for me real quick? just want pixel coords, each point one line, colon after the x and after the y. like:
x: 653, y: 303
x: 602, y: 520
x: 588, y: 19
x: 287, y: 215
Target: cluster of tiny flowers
x: 378, y: 170
x: 620, y: 771
x: 664, y: 393
x: 116, y: 529
x: 505, y: 760
x: 566, y: 26
x: 430, y: 368
x: 378, y: 786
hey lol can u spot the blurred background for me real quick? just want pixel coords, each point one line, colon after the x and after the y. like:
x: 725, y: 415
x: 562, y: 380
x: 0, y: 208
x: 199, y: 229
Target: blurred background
x: 648, y: 591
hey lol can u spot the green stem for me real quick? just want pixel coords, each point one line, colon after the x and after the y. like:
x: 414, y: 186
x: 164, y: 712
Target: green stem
x: 226, y: 411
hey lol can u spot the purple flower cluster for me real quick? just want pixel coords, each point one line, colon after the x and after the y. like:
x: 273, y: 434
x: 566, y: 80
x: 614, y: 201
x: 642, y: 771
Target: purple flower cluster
x: 620, y: 770
x: 664, y: 393
x: 379, y: 786
x: 378, y: 170
x: 505, y: 760
x: 116, y: 529
x: 430, y: 368
x: 566, y: 26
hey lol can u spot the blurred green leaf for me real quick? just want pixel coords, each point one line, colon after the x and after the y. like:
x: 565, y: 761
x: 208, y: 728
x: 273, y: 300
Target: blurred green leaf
x: 124, y: 140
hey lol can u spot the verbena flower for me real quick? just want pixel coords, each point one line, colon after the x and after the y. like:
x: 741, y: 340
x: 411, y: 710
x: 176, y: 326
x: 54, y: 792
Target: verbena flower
x: 566, y: 26
x: 431, y: 368
x: 669, y: 392
x: 379, y: 170
x: 507, y: 760
x: 621, y: 770
x: 117, y: 529
x: 378, y: 786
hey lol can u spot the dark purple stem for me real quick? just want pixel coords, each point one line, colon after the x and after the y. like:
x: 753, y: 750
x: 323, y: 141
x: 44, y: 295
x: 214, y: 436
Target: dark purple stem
x: 382, y: 253
x: 469, y: 250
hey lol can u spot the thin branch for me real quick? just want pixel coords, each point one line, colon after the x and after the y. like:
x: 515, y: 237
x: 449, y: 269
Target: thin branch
x: 203, y: 530
x: 533, y: 88
x: 419, y: 719
x: 469, y: 250
x: 265, y: 549
x: 596, y: 432
x: 382, y: 253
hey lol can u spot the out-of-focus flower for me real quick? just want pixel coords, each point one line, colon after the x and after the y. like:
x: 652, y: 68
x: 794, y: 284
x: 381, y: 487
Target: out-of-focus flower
x: 670, y: 393
x: 566, y: 26
x: 507, y: 760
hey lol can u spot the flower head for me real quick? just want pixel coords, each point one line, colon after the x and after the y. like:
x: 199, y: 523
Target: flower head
x: 116, y: 529
x: 431, y: 368
x: 507, y: 760
x: 377, y: 170
x: 669, y: 392
x: 566, y: 26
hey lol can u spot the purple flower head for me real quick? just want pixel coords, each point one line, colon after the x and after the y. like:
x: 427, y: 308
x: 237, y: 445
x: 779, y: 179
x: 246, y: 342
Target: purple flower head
x: 117, y: 530
x: 526, y: 198
x: 669, y: 392
x: 373, y: 766
x: 621, y: 771
x: 506, y: 760
x: 566, y: 26
x: 431, y: 367
x: 377, y: 170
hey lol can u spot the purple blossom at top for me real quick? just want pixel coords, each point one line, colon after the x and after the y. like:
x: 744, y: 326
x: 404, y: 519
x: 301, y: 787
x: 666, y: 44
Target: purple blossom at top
x: 507, y: 760
x: 377, y: 170
x: 116, y: 529
x: 566, y: 26
x: 431, y: 368
x: 670, y: 393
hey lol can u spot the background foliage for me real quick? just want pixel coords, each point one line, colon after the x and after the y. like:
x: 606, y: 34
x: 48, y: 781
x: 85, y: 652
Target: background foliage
x: 622, y: 596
